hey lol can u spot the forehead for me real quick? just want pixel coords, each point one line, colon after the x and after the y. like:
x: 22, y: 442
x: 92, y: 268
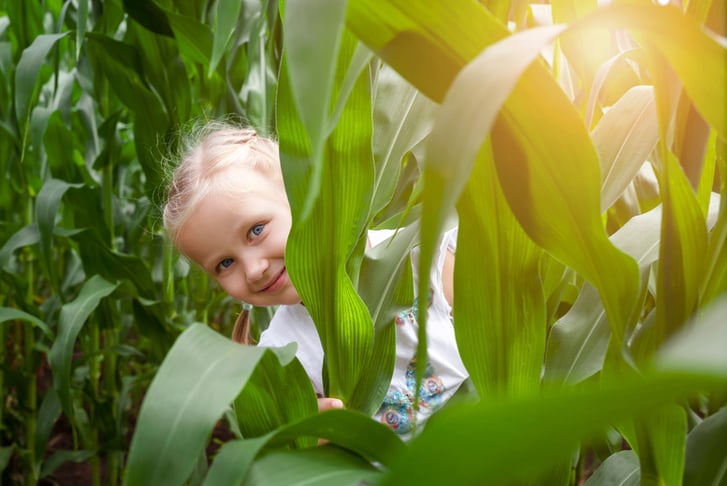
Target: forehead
x: 239, y: 196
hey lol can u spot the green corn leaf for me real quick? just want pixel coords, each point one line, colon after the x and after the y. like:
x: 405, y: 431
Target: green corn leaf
x: 500, y: 316
x: 275, y: 396
x: 25, y: 236
x: 542, y: 429
x: 660, y: 442
x: 60, y: 457
x: 233, y: 461
x: 49, y: 412
x: 698, y: 347
x: 10, y: 314
x: 319, y: 248
x: 226, y: 16
x: 426, y: 42
x: 402, y: 118
x: 325, y: 466
x: 5, y: 454
x: 351, y: 430
x: 81, y: 24
x: 121, y: 64
x: 72, y: 318
x: 677, y: 36
x: 621, y: 468
x: 199, y: 378
x: 194, y: 39
x: 26, y: 74
x: 624, y: 138
x: 682, y: 251
x: 149, y: 15
x: 98, y: 258
x: 312, y: 72
x: 706, y: 451
x: 46, y: 211
x: 400, y: 34
x: 578, y: 341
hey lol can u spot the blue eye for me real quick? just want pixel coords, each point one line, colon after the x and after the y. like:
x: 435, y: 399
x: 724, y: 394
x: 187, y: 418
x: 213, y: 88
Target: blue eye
x: 226, y: 263
x: 257, y: 230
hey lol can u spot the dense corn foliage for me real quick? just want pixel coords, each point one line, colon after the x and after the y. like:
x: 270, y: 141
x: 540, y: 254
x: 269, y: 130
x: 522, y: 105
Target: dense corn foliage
x: 582, y: 148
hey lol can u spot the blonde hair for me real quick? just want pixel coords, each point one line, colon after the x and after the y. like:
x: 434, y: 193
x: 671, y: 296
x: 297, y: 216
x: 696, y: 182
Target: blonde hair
x: 208, y: 153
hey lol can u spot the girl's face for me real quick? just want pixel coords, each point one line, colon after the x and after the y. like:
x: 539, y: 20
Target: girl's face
x: 240, y: 240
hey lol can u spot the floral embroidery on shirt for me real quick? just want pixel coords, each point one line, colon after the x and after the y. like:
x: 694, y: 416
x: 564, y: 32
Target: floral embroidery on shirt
x: 397, y: 410
x: 409, y: 316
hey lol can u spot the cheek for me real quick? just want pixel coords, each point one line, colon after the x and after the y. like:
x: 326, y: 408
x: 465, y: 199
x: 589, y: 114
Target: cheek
x: 232, y: 288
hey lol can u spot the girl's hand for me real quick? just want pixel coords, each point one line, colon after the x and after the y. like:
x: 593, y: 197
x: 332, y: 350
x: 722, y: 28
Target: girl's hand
x: 329, y: 404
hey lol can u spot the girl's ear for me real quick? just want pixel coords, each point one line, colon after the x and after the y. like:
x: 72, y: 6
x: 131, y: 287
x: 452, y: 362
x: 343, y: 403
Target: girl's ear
x: 241, y: 330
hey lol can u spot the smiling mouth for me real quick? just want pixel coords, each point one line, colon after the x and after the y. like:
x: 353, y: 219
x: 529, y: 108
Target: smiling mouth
x: 276, y: 283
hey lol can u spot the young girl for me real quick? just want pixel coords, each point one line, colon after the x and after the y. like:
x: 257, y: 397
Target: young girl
x: 227, y: 211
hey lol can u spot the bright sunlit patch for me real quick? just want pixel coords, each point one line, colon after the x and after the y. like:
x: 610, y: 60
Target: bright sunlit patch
x: 663, y: 2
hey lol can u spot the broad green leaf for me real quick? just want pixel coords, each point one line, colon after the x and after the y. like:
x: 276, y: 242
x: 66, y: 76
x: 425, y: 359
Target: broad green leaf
x: 81, y: 24
x: 619, y: 469
x: 166, y: 76
x: 677, y: 36
x: 98, y: 258
x: 577, y: 342
x: 585, y: 50
x: 26, y: 73
x: 10, y: 314
x: 351, y: 430
x: 699, y: 347
x: 199, y: 378
x: 312, y: 62
x: 386, y: 286
x: 277, y: 393
x: 194, y: 39
x: 72, y: 318
x: 706, y: 454
x: 233, y: 461
x: 500, y: 316
x: 660, y: 436
x: 426, y: 42
x: 402, y: 118
x: 58, y: 458
x: 25, y: 236
x: 225, y: 19
x: 324, y: 466
x: 5, y: 454
x: 624, y: 138
x: 383, y: 268
x: 121, y: 64
x: 542, y: 429
x: 149, y: 15
x: 48, y: 413
x: 46, y: 210
x: 557, y: 207
x: 681, y: 253
x: 319, y: 248
x: 400, y: 34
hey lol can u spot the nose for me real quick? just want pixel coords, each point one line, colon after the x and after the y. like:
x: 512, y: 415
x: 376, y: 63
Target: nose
x: 254, y: 267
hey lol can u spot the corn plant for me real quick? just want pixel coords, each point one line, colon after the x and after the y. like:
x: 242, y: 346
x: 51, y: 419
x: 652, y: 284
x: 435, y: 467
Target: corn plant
x: 91, y: 296
x: 580, y: 146
x: 587, y: 187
